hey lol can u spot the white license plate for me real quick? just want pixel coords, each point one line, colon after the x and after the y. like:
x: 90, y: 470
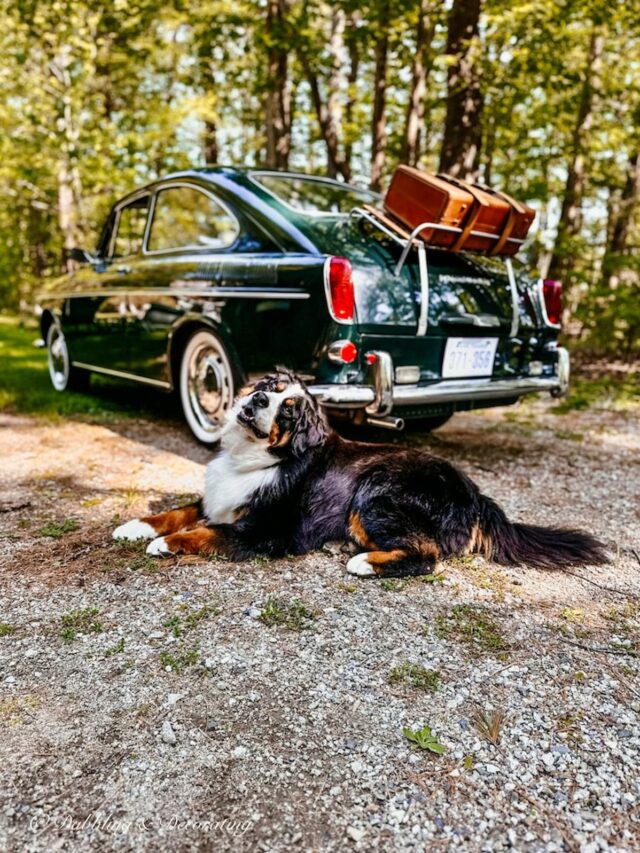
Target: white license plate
x: 469, y: 357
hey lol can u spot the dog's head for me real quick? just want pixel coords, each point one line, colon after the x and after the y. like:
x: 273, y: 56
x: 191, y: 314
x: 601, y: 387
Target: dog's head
x: 278, y: 411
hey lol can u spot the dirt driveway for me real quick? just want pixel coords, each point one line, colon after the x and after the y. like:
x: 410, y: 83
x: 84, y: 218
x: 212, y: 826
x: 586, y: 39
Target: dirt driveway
x: 194, y: 704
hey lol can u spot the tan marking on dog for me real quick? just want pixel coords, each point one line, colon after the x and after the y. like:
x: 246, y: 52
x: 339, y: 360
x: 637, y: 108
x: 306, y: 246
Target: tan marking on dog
x: 379, y: 559
x: 479, y: 542
x: 200, y: 540
x: 176, y: 519
x: 427, y: 548
x: 278, y: 438
x: 358, y: 533
x: 280, y: 387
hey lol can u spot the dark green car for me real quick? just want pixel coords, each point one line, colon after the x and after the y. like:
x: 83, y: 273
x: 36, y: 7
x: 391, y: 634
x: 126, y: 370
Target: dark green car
x: 206, y: 277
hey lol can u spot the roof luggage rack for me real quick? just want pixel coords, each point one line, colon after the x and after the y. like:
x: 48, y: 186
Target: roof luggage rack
x: 411, y: 239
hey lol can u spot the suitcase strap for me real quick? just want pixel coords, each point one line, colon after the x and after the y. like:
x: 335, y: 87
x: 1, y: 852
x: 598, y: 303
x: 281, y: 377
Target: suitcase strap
x: 474, y: 210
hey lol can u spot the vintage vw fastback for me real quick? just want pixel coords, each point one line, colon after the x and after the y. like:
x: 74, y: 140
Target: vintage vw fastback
x: 209, y: 276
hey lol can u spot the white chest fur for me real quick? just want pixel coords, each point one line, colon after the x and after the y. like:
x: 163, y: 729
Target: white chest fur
x: 232, y: 479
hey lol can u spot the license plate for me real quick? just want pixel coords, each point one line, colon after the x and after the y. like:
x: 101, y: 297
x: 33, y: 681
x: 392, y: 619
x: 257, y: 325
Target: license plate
x: 465, y: 357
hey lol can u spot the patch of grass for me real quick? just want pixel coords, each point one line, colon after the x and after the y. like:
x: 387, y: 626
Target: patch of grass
x: 569, y: 725
x: 80, y: 621
x: 57, y: 529
x: 424, y: 739
x: 392, y: 584
x: 416, y: 675
x: 602, y: 393
x: 14, y: 710
x: 175, y: 625
x: 198, y: 616
x: 6, y: 630
x: 260, y: 560
x: 489, y: 725
x: 572, y: 614
x: 348, y: 588
x: 569, y: 435
x: 145, y: 564
x: 180, y: 660
x: 115, y: 650
x: 472, y: 626
x: 294, y: 616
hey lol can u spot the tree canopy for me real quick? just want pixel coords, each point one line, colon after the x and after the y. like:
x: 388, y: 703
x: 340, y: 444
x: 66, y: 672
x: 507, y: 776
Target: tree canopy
x: 540, y: 99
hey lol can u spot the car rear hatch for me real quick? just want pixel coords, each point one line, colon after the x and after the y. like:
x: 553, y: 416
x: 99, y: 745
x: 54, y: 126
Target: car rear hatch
x: 470, y: 310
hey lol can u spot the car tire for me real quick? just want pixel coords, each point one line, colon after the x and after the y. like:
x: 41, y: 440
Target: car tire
x: 206, y: 384
x: 64, y: 376
x: 427, y: 424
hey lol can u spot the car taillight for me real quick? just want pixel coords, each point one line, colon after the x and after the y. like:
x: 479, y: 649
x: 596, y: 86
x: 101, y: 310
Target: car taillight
x: 339, y: 277
x: 552, y: 293
x: 343, y: 352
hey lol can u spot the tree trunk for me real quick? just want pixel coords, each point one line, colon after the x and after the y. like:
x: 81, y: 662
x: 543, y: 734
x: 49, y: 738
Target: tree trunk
x: 278, y: 102
x: 379, y: 124
x: 336, y: 50
x: 210, y: 143
x: 352, y: 82
x: 335, y: 163
x: 460, y: 152
x: 622, y: 220
x: 571, y: 213
x: 419, y: 74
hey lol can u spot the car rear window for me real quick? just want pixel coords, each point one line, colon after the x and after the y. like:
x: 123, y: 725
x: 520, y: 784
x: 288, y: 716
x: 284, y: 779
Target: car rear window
x: 314, y: 195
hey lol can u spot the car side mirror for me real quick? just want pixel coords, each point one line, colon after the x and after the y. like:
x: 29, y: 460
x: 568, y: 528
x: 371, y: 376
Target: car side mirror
x: 81, y: 256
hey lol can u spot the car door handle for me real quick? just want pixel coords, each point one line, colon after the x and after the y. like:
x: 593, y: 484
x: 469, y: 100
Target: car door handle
x: 123, y: 270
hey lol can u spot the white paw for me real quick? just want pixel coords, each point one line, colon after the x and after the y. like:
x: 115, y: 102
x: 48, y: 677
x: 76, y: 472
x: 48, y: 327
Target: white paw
x: 360, y: 566
x: 159, y: 548
x: 133, y: 530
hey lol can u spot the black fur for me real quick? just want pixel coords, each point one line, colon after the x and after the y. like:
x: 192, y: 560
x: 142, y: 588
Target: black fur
x: 408, y: 505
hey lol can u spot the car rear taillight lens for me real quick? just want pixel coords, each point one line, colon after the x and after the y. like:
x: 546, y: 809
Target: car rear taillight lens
x: 552, y: 293
x: 340, y: 289
x: 343, y: 352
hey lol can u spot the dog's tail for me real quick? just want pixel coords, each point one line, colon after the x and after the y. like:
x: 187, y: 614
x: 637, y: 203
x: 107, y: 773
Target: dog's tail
x: 511, y: 543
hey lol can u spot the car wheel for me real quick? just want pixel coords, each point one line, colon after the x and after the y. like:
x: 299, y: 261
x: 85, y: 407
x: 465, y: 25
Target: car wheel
x: 427, y: 424
x: 64, y: 376
x: 206, y: 385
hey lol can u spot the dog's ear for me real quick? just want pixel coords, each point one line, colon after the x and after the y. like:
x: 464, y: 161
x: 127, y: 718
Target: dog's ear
x: 310, y: 427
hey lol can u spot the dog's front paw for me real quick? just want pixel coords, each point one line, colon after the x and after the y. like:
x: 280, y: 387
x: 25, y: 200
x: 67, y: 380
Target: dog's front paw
x: 159, y: 548
x: 360, y: 566
x: 134, y: 530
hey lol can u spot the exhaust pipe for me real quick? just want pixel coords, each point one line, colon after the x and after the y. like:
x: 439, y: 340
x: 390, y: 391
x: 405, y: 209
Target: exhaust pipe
x: 386, y: 423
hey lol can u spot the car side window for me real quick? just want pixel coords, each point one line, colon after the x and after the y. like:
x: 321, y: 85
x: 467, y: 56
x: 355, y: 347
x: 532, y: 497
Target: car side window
x: 131, y: 224
x: 184, y: 217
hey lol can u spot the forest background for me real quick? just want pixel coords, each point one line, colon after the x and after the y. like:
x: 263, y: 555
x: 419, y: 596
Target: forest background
x: 539, y: 99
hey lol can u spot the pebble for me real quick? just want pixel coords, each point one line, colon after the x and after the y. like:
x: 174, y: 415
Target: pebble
x: 355, y: 833
x: 168, y: 735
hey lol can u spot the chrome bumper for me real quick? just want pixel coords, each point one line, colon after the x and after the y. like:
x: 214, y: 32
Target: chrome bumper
x: 384, y: 396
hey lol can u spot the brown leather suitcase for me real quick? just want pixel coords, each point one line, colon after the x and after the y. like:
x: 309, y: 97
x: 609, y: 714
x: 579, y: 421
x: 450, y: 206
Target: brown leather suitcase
x: 517, y: 226
x: 490, y: 214
x: 414, y: 197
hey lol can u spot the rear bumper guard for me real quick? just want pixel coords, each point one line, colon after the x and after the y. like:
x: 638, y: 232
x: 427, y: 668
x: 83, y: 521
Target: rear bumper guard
x: 384, y: 396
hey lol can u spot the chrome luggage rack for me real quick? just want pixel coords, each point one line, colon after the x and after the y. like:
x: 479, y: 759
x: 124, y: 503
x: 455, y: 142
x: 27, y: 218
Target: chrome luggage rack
x: 414, y: 240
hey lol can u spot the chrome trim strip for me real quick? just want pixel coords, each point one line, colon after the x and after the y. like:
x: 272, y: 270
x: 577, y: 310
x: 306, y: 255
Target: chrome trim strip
x: 214, y: 291
x: 424, y: 291
x: 343, y: 396
x: 119, y: 374
x: 382, y: 370
x: 515, y: 299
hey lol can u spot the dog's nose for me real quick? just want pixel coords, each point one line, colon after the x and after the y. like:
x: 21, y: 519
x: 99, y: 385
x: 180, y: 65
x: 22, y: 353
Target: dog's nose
x: 260, y: 400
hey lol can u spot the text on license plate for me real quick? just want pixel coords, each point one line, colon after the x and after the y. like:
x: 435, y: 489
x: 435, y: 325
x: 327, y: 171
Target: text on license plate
x: 469, y: 357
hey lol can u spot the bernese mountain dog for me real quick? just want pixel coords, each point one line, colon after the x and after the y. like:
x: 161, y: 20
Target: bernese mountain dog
x: 282, y: 482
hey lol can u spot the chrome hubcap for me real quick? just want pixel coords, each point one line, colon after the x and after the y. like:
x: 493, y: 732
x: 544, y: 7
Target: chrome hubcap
x: 209, y: 386
x: 58, y: 359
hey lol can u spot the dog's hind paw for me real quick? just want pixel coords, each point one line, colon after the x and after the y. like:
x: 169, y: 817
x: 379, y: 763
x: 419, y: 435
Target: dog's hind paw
x: 134, y: 530
x: 360, y: 566
x: 159, y: 548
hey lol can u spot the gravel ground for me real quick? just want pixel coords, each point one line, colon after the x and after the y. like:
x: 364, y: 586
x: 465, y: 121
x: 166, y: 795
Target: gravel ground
x: 207, y: 705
